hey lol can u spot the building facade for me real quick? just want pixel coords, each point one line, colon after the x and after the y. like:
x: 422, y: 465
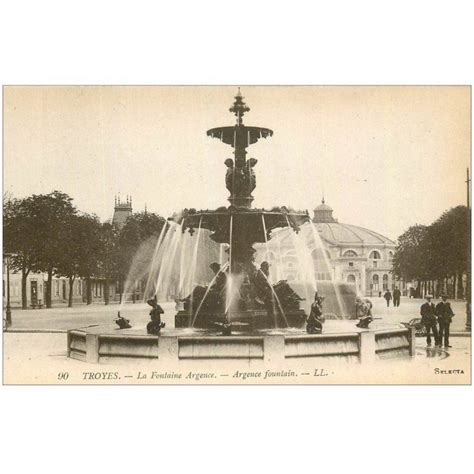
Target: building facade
x: 36, y: 282
x: 342, y: 252
x: 36, y: 290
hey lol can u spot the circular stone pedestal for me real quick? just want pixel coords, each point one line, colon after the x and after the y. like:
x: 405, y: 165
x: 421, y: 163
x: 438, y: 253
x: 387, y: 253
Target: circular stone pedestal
x: 341, y: 340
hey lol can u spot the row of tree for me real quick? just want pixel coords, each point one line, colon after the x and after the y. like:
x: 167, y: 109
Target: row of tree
x: 436, y: 254
x: 46, y: 233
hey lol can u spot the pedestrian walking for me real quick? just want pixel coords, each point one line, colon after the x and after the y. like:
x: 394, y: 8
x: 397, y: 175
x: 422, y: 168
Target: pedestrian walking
x: 429, y: 320
x: 445, y: 316
x: 388, y: 297
x: 396, y: 296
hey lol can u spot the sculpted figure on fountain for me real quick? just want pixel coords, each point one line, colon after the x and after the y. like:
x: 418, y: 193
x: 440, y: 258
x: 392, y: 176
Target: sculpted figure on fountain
x: 314, y: 324
x: 155, y: 325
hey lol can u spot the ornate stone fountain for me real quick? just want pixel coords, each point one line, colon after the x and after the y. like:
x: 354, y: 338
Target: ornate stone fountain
x: 265, y: 319
x: 256, y: 303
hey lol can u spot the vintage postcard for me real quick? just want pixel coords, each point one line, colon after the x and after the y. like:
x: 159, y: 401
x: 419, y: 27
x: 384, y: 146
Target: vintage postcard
x: 236, y: 235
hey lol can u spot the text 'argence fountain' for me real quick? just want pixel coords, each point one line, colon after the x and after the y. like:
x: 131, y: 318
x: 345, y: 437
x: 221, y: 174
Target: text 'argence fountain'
x: 214, y: 264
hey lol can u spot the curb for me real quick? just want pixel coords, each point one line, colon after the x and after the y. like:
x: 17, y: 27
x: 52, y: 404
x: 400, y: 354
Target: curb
x: 455, y: 334
x: 36, y: 331
x: 64, y: 331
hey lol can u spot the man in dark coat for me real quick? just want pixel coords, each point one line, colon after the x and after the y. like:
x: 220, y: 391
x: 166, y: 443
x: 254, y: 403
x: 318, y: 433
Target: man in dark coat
x: 445, y: 316
x: 388, y: 297
x: 396, y: 296
x: 429, y: 320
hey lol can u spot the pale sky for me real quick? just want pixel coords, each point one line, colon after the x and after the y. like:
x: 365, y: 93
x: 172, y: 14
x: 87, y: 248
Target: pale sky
x: 384, y: 157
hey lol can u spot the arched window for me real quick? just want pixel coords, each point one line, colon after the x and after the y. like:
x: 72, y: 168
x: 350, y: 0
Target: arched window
x: 385, y: 282
x: 375, y: 282
x: 320, y: 254
x: 351, y: 279
x: 349, y: 253
x: 374, y: 255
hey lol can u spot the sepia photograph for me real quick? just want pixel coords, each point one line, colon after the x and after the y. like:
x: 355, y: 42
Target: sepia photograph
x: 236, y: 235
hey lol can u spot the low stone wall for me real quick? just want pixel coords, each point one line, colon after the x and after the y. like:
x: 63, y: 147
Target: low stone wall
x: 364, y: 346
x: 392, y: 344
x: 76, y: 345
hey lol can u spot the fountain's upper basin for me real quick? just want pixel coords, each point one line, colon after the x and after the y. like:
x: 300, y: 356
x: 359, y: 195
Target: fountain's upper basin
x: 230, y: 135
x: 248, y: 224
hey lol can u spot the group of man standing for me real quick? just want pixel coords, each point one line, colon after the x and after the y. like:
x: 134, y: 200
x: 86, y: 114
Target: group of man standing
x: 396, y: 297
x: 432, y: 316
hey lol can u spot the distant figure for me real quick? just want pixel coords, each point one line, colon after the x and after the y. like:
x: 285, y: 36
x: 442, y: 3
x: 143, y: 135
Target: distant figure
x: 314, y: 323
x: 388, y: 297
x: 428, y: 319
x: 363, y: 313
x: 445, y: 316
x: 155, y: 325
x: 396, y: 297
x: 122, y: 323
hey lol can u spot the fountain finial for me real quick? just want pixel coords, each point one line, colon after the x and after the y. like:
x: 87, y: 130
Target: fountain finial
x: 239, y: 107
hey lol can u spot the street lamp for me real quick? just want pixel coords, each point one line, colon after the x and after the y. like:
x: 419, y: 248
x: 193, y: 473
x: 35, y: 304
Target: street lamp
x: 7, y: 257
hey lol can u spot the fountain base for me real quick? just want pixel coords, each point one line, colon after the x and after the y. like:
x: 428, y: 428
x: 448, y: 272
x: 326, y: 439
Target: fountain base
x: 340, y: 341
x: 249, y: 320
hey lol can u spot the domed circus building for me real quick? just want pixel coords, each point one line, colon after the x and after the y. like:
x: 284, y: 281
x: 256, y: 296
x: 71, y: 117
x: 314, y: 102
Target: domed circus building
x: 341, y: 252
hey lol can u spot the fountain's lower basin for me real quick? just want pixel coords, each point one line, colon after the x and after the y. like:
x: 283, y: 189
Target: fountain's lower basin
x: 251, y: 320
x: 341, y: 340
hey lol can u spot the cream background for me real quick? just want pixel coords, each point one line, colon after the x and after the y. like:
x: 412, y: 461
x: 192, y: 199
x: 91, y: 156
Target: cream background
x: 384, y: 157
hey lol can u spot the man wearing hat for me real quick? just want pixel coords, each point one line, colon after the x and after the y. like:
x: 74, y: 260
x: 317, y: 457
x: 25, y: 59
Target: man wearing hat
x: 429, y: 320
x: 445, y: 316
